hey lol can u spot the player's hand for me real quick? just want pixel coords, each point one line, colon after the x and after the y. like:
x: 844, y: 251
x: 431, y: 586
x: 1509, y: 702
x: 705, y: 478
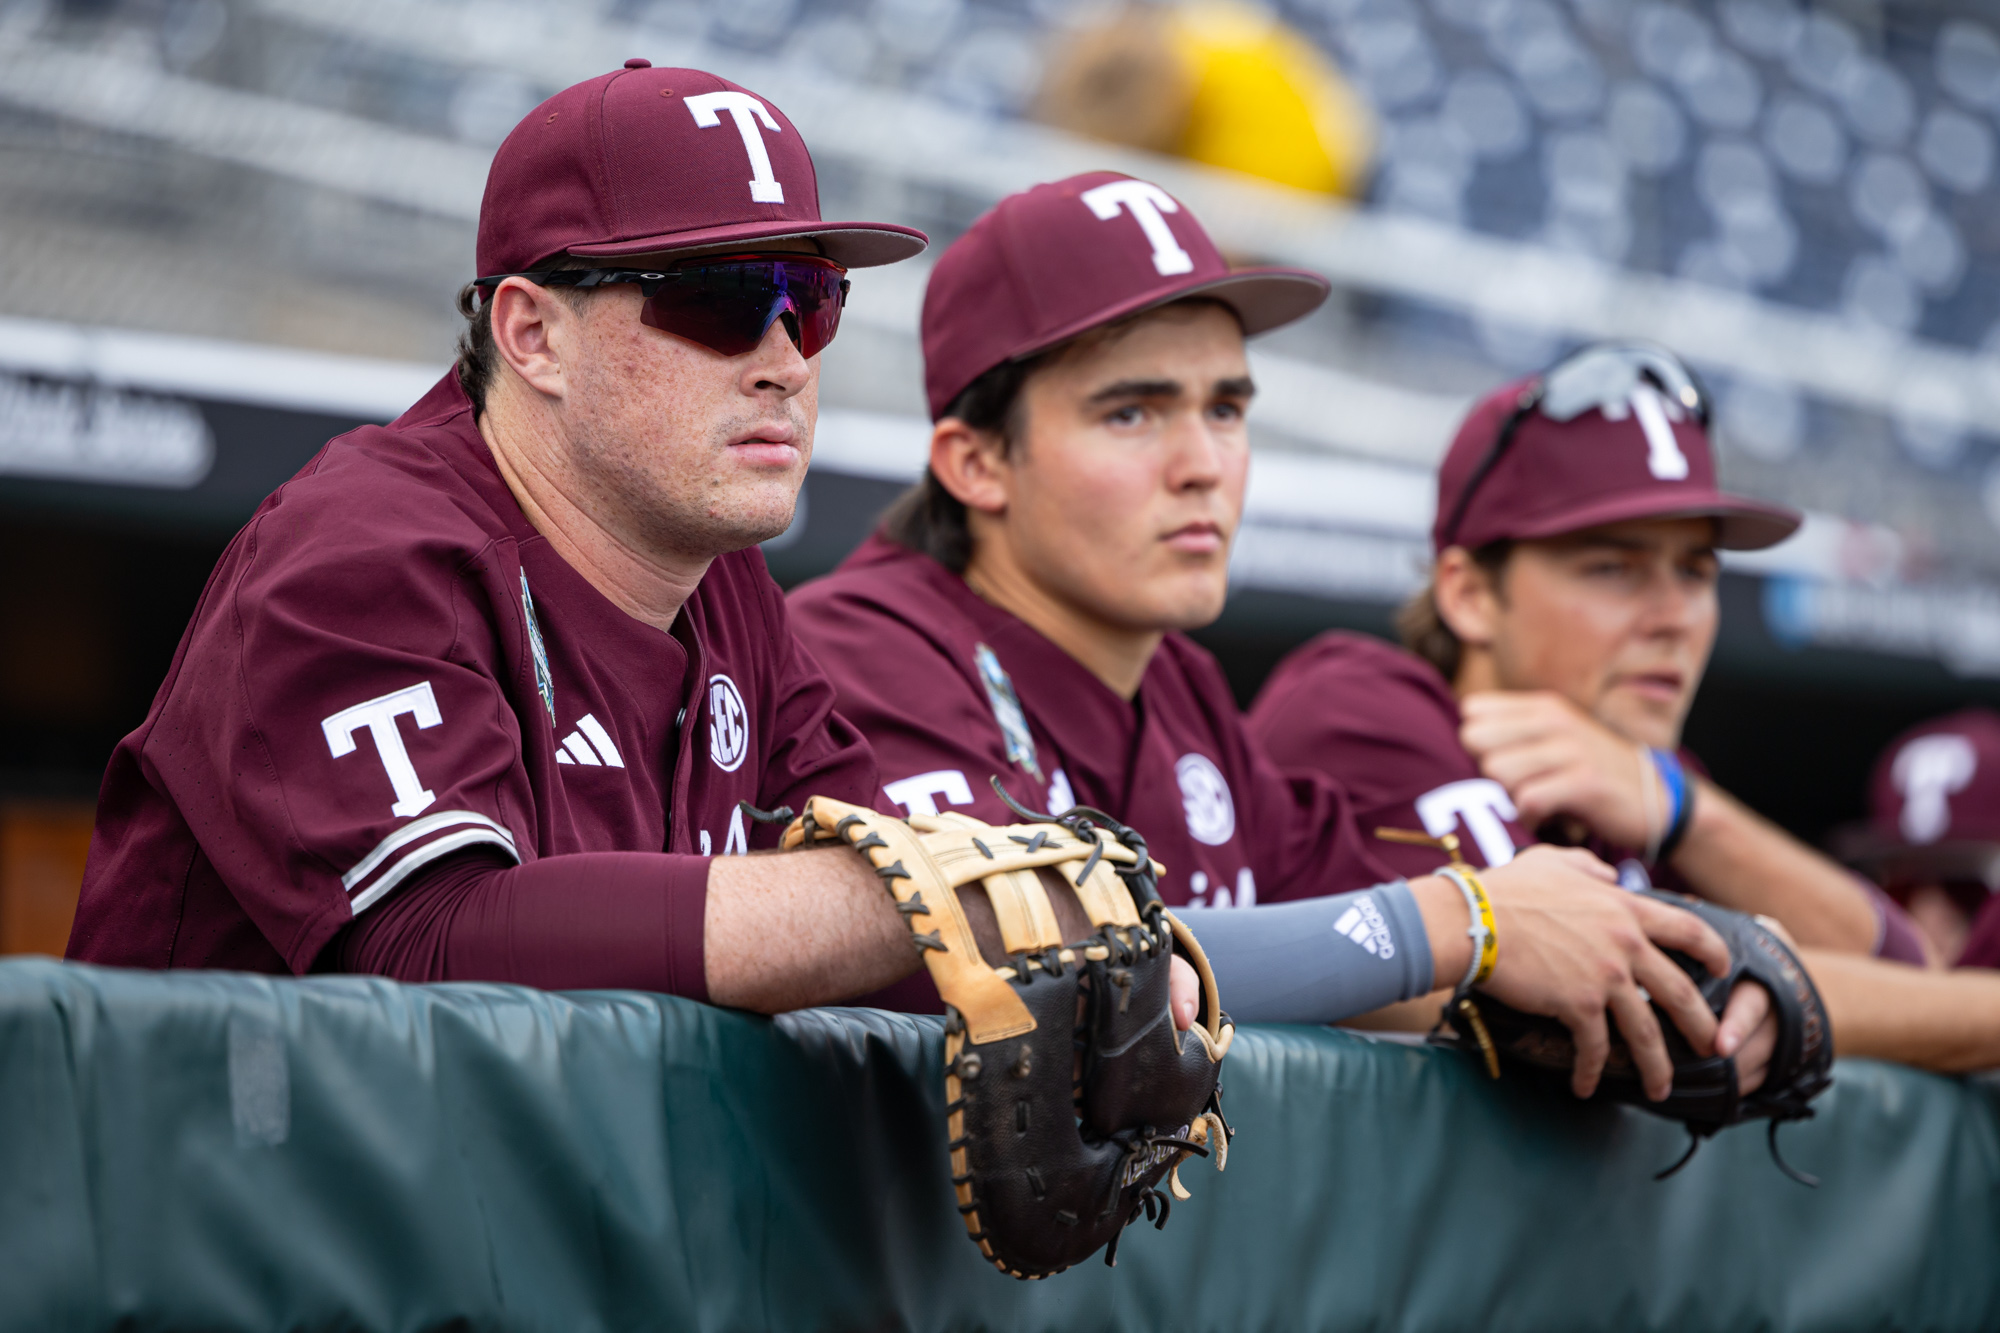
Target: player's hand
x: 1748, y: 1031
x: 1554, y: 759
x: 1183, y: 992
x: 1579, y: 949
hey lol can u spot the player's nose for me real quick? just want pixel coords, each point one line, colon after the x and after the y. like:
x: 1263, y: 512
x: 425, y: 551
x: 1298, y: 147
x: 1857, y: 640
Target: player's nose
x: 776, y: 365
x: 1195, y: 457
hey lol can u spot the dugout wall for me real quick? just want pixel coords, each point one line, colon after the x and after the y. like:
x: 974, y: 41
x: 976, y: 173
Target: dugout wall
x: 229, y: 1152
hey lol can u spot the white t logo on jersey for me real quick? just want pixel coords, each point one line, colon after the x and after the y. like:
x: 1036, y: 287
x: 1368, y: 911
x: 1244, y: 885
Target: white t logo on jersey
x: 379, y: 717
x: 1484, y: 806
x: 1147, y: 203
x: 734, y: 843
x: 919, y: 794
x: 1062, y: 797
x: 728, y: 724
x: 1927, y: 771
x: 1656, y: 413
x: 1245, y: 896
x: 746, y: 111
x: 1205, y: 800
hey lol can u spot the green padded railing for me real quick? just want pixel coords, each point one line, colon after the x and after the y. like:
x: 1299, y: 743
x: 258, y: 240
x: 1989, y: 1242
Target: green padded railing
x: 228, y: 1152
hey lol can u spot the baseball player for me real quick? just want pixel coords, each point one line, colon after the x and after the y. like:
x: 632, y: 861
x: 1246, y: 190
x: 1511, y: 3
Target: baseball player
x: 483, y: 694
x: 1933, y: 839
x: 1555, y: 653
x: 1017, y: 618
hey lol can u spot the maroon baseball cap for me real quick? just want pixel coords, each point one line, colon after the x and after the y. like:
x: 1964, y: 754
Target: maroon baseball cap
x: 1046, y: 264
x: 1636, y: 459
x: 1934, y: 804
x: 1940, y: 781
x: 642, y: 160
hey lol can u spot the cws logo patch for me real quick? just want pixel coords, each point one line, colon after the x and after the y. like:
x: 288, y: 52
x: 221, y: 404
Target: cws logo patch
x: 544, y: 686
x: 1006, y: 710
x: 728, y: 724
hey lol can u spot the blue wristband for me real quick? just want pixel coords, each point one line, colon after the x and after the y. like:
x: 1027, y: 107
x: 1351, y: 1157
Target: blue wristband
x: 1675, y: 779
x: 1679, y: 804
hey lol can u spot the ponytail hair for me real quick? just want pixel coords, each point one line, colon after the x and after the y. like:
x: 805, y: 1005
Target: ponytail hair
x: 927, y: 517
x: 1423, y: 630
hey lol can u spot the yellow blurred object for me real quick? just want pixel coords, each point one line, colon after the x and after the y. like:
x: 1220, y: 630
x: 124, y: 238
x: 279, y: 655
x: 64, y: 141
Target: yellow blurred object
x: 1219, y: 82
x: 1268, y: 104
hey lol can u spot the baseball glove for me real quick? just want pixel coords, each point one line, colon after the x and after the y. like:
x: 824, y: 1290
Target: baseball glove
x: 1704, y: 1097
x: 1069, y: 1095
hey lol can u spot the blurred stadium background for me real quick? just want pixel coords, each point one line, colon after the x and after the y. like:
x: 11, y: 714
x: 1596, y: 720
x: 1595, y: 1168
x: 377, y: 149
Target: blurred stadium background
x: 232, y: 228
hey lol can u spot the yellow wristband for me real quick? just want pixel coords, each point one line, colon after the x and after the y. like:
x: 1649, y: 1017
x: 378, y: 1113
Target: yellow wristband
x: 1485, y: 941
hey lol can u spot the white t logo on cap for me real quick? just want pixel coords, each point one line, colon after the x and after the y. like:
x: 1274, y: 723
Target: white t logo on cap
x: 1927, y: 771
x: 742, y: 107
x: 1147, y: 203
x: 1656, y: 414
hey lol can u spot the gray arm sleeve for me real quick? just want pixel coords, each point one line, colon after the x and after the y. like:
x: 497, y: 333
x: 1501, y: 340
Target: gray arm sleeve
x: 1318, y: 960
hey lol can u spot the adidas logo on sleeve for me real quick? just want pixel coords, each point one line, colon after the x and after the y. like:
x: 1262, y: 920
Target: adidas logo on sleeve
x: 1363, y: 923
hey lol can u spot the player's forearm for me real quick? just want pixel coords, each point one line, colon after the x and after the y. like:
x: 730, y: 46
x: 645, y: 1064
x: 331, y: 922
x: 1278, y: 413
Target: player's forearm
x: 585, y: 921
x: 1947, y: 1022
x: 1446, y: 919
x: 1736, y: 858
x: 1315, y: 960
x: 788, y: 931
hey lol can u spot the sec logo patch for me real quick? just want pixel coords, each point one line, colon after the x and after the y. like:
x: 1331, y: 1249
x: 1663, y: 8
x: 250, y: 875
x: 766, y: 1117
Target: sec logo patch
x: 728, y: 724
x: 1211, y: 814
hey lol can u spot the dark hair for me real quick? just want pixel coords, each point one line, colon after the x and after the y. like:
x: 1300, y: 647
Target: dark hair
x: 1423, y: 630
x: 478, y: 358
x: 930, y: 519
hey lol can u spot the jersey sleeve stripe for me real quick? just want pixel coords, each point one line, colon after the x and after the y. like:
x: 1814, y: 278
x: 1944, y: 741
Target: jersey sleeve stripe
x: 420, y: 828
x: 423, y: 856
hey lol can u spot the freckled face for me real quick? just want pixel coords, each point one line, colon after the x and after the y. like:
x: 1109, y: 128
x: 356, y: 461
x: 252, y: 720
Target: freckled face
x: 703, y: 453
x: 1127, y: 486
x: 1620, y: 620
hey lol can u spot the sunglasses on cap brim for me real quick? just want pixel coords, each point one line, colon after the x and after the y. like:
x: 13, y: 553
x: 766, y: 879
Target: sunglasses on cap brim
x: 1602, y: 378
x: 726, y: 304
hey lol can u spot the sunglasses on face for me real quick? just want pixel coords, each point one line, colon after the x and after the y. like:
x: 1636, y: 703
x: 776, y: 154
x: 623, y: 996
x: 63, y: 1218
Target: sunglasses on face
x: 1601, y: 378
x: 726, y: 304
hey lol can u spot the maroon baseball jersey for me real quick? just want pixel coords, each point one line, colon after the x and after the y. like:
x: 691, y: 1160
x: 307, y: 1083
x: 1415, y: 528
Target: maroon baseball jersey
x: 1384, y: 724
x: 952, y: 691
x: 391, y: 667
x: 1982, y: 940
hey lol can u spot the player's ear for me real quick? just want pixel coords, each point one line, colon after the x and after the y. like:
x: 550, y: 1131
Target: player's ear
x: 525, y: 317
x: 971, y: 464
x: 1467, y: 596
